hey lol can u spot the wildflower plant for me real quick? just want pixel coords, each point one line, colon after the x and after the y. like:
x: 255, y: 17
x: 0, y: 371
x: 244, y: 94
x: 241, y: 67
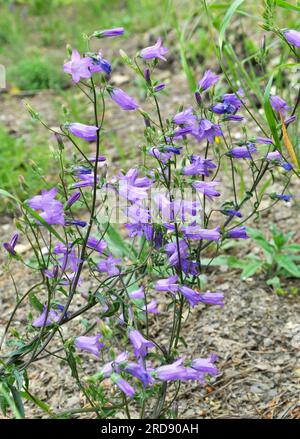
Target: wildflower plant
x: 136, y: 238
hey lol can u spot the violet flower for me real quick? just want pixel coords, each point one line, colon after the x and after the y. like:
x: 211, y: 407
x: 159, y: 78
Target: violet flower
x: 186, y: 117
x: 124, y: 101
x: 206, y: 365
x: 232, y: 212
x: 209, y: 79
x: 73, y: 198
x: 293, y: 37
x: 207, y: 188
x: 109, y: 265
x: 107, y: 33
x: 243, y: 152
x: 284, y: 197
x: 195, y: 232
x: 172, y: 252
x: 192, y: 296
x: 279, y: 104
x: 124, y: 386
x: 97, y: 244
x: 212, y: 298
x: 139, y: 372
x: 90, y: 344
x: 86, y: 132
x: 156, y: 51
x: 208, y: 131
x: 86, y: 180
x: 78, y: 67
x: 137, y: 294
x: 139, y: 343
x: 52, y: 209
x: 169, y: 284
x: 10, y: 246
x: 171, y: 372
x: 238, y: 233
x: 99, y: 64
x: 41, y: 321
x: 198, y: 166
x: 151, y: 307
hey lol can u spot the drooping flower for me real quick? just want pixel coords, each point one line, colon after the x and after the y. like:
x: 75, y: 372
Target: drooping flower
x: 169, y: 284
x: 138, y: 371
x: 108, y: 368
x: 156, y: 51
x: 195, y: 232
x: 41, y: 321
x: 172, y: 252
x: 243, y: 152
x: 207, y: 188
x: 171, y: 372
x: 123, y: 385
x: 78, y: 67
x: 86, y: 180
x: 206, y: 365
x: 137, y: 294
x: 10, y: 246
x: 230, y: 103
x: 52, y: 210
x: 90, y: 344
x: 151, y: 307
x: 198, y: 166
x: 208, y: 130
x: 293, y: 37
x: 114, y: 32
x: 99, y: 64
x: 212, y: 298
x: 209, y: 79
x: 97, y: 244
x: 124, y: 101
x: 109, y: 265
x: 164, y: 157
x: 232, y: 212
x: 277, y: 158
x: 192, y: 296
x: 238, y: 233
x: 186, y: 117
x: 69, y: 260
x: 279, y: 104
x: 86, y: 132
x: 139, y: 343
x: 284, y: 197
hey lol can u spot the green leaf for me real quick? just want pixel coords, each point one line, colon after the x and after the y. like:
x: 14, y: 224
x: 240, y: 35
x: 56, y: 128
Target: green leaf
x: 6, y: 194
x: 34, y: 301
x: 229, y: 14
x: 250, y: 269
x: 287, y: 264
x: 115, y: 241
x: 287, y: 5
x: 18, y: 401
x: 42, y: 405
x: 270, y: 114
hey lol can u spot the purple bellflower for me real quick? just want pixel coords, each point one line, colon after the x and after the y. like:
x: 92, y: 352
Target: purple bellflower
x: 293, y: 37
x: 10, y: 246
x: 238, y: 233
x: 124, y: 101
x: 156, y: 51
x: 207, y: 188
x: 52, y: 209
x: 139, y: 343
x: 90, y: 344
x: 109, y: 265
x: 78, y: 67
x: 169, y: 284
x: 279, y: 104
x: 86, y: 132
x: 97, y: 244
x: 243, y: 152
x: 195, y: 232
x: 209, y: 79
x: 41, y: 321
